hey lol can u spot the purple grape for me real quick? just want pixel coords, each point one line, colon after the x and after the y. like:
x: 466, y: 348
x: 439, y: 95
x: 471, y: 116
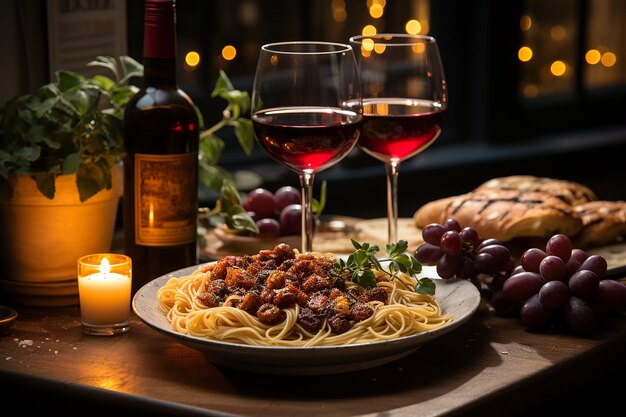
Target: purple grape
x: 485, y: 263
x: 601, y: 312
x: 517, y: 270
x: 261, y: 201
x: 531, y: 259
x: 520, y: 287
x: 470, y: 236
x: 497, y: 282
x: 578, y: 255
x: 500, y: 253
x: 253, y: 215
x: 428, y: 254
x: 466, y: 269
x: 554, y: 294
x: 508, y: 267
x: 559, y: 245
x: 452, y: 224
x: 612, y: 294
x: 571, y: 266
x: 451, y: 243
x: 595, y: 263
x: 534, y: 314
x: 291, y: 220
x: 501, y: 304
x: 578, y: 315
x: 552, y: 268
x: 432, y: 233
x: 286, y: 195
x: 584, y: 283
x: 447, y: 266
x: 268, y: 227
x: 489, y: 242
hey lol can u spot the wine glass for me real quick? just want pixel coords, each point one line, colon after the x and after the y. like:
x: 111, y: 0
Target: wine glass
x: 306, y: 111
x: 404, y: 101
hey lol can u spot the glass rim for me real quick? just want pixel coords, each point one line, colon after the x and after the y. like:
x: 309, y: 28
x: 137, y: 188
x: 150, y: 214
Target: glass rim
x: 381, y: 38
x: 340, y: 47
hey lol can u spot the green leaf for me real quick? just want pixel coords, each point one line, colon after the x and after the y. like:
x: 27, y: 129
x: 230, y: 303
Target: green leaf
x: 318, y: 205
x: 130, y: 69
x: 90, y: 178
x: 213, y: 176
x: 42, y: 107
x: 84, y: 100
x: 356, y: 244
x: 237, y: 98
x: 230, y: 193
x: 222, y: 84
x: 28, y: 153
x: 360, y: 257
x: 243, y: 222
x: 367, y: 279
x: 71, y: 163
x: 211, y: 147
x: 245, y: 135
x: 45, y: 184
x: 68, y: 80
x: 121, y: 95
x: 103, y: 81
x: 106, y: 62
x: 425, y: 286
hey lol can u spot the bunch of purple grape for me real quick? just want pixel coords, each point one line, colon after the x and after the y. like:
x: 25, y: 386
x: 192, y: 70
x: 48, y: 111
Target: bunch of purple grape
x: 460, y: 253
x: 275, y: 214
x: 560, y: 286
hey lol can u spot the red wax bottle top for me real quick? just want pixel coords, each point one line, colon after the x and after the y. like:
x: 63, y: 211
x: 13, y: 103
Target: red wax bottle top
x: 159, y: 29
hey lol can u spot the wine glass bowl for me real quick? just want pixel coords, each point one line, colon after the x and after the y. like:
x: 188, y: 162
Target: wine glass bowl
x: 306, y: 111
x: 404, y: 102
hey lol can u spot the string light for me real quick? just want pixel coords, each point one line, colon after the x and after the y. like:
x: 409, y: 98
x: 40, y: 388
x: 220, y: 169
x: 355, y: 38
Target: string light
x: 525, y: 54
x: 413, y: 27
x: 229, y: 52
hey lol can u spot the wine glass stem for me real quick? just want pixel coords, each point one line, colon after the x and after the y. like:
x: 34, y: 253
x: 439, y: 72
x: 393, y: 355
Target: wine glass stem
x: 391, y: 169
x: 306, y: 182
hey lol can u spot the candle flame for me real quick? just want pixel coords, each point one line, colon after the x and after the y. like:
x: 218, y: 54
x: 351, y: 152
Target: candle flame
x: 105, y: 266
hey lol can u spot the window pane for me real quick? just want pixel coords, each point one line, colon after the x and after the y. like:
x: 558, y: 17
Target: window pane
x: 605, y: 57
x: 548, y: 48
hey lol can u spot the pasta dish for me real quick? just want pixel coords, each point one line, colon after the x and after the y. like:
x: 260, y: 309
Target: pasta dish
x: 280, y: 297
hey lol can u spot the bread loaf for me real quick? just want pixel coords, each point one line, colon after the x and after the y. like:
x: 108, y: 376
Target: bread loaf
x: 504, y: 214
x: 569, y: 192
x: 604, y: 222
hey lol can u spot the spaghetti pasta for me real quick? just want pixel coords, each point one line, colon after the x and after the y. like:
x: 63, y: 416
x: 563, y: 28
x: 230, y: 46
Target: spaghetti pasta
x: 293, y: 301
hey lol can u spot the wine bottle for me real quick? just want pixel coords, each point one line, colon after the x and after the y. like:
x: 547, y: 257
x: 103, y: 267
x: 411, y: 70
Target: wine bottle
x: 161, y: 165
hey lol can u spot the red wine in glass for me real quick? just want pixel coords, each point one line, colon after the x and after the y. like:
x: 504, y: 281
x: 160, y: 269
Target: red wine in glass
x: 304, y: 112
x: 399, y: 128
x: 307, y: 138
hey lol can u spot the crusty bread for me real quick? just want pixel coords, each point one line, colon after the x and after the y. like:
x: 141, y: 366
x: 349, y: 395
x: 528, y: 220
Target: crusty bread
x: 504, y: 214
x: 570, y: 192
x: 604, y: 222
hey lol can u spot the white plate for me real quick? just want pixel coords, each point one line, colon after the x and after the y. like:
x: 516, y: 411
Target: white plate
x: 458, y: 299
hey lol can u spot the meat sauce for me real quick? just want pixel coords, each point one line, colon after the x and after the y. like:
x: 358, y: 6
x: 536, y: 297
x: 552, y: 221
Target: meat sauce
x: 265, y: 284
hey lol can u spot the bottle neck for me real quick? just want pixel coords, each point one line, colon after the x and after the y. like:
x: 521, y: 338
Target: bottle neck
x: 159, y: 72
x: 159, y: 48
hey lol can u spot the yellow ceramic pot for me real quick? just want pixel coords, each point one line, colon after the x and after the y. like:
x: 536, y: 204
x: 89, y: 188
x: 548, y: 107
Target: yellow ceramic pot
x: 42, y: 239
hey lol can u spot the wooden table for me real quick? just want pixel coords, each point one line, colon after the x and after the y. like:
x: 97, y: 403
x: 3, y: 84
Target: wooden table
x: 490, y: 366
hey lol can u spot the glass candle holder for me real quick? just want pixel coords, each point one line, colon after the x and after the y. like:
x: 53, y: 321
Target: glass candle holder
x: 104, y: 289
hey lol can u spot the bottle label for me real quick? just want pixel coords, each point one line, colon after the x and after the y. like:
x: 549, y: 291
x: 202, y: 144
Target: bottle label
x: 165, y: 203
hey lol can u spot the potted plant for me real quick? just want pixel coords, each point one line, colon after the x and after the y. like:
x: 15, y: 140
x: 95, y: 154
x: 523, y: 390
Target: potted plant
x: 61, y: 177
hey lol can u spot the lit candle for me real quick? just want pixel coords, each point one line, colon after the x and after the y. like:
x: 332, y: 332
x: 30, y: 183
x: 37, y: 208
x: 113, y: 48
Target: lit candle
x: 104, y: 287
